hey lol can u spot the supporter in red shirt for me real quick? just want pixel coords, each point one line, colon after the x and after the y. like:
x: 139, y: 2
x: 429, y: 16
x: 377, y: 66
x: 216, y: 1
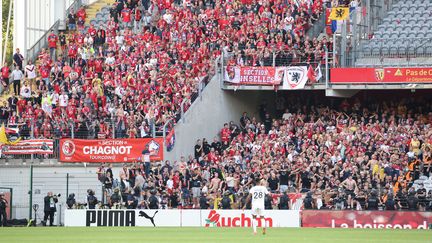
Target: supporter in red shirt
x: 126, y: 15
x: 225, y: 133
x: 92, y: 31
x: 81, y: 15
x: 52, y: 44
x: 5, y: 72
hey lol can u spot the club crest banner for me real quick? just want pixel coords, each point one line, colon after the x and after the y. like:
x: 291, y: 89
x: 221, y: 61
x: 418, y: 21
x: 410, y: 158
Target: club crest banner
x: 295, y: 77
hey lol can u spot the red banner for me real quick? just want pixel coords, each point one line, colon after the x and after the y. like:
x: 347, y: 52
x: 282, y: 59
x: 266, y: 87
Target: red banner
x: 110, y: 150
x: 254, y: 75
x: 366, y: 219
x: 328, y: 22
x: 381, y: 75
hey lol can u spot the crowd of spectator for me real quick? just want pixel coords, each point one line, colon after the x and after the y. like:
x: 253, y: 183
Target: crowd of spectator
x: 128, y: 76
x: 330, y: 154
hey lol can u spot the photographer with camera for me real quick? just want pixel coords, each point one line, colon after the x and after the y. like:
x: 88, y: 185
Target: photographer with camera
x: 50, y: 208
x: 340, y: 200
x: 91, y: 199
x: 70, y: 201
x: 131, y: 202
x: 372, y: 201
x: 116, y: 199
x: 204, y: 201
x: 3, y: 205
x: 153, y: 200
x: 226, y: 201
x: 284, y: 201
x: 308, y: 201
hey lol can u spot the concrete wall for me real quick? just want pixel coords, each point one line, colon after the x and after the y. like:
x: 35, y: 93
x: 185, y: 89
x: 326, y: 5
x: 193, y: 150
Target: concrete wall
x: 206, y: 116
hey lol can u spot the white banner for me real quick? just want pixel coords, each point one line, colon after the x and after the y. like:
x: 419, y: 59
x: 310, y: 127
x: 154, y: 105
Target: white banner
x: 295, y: 77
x: 179, y: 218
x: 240, y: 218
x: 31, y: 146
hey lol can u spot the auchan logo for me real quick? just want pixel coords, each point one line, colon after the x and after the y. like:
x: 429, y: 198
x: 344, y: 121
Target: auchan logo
x: 214, y: 219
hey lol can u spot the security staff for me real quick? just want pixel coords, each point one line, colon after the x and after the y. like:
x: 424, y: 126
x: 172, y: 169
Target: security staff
x: 49, y: 208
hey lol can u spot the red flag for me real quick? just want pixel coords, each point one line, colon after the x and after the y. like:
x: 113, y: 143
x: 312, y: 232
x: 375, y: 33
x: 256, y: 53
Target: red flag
x: 311, y: 74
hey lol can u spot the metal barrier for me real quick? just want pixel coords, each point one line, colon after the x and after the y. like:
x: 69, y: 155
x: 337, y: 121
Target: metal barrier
x: 384, y: 54
x: 282, y: 59
x: 358, y: 29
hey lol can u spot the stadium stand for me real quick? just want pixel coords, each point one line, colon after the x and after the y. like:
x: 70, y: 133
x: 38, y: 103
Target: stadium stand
x: 361, y: 153
x: 134, y: 66
x: 106, y: 77
x: 403, y: 37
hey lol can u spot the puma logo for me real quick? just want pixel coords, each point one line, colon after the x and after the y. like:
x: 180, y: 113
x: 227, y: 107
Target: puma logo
x: 143, y: 214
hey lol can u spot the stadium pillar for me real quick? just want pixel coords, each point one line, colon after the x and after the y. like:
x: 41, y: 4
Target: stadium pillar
x: 11, y: 203
x: 113, y: 129
x: 368, y: 16
x: 354, y: 39
x: 72, y: 130
x: 327, y: 85
x: 381, y: 12
x: 31, y: 193
x: 334, y: 49
x: 25, y: 51
x: 67, y: 185
x: 343, y: 52
x: 274, y: 59
x: 32, y: 137
x: 154, y: 129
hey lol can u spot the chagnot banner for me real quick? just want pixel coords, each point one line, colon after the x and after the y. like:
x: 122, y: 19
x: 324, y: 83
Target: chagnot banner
x: 110, y: 150
x: 381, y: 75
x: 366, y: 219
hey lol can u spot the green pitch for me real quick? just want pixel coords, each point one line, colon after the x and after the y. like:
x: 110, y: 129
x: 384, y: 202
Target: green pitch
x: 209, y: 235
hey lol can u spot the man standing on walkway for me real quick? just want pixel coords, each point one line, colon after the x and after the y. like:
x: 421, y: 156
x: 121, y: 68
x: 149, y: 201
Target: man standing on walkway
x: 52, y: 44
x: 17, y: 76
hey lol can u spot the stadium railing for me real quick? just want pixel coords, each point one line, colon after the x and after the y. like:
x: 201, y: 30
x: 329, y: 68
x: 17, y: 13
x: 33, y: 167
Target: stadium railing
x: 383, y: 54
x: 351, y: 34
x: 276, y: 61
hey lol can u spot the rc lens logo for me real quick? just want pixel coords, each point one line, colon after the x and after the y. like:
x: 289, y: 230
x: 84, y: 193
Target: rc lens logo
x: 379, y: 74
x: 68, y: 148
